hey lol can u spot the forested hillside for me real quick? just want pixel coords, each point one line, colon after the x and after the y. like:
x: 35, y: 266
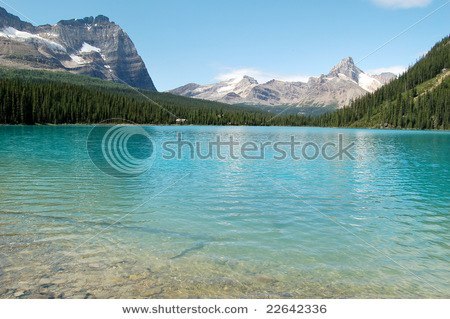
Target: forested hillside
x: 33, y: 97
x: 419, y: 99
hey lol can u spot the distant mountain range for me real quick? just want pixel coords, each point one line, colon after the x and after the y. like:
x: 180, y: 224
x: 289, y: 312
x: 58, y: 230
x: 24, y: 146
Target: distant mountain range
x: 418, y: 99
x: 91, y: 46
x: 342, y: 84
x: 100, y: 48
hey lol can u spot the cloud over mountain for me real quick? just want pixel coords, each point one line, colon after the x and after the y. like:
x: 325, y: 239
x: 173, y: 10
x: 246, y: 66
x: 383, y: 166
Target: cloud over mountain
x: 402, y: 4
x: 396, y: 69
x: 260, y: 75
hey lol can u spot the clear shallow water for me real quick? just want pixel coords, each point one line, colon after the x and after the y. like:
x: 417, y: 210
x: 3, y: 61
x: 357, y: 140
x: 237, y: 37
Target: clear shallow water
x: 376, y: 226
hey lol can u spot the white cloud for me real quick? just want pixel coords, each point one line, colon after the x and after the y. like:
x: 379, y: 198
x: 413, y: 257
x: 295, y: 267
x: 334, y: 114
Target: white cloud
x: 402, y: 4
x: 260, y: 76
x: 396, y: 69
x: 238, y: 74
x: 293, y: 78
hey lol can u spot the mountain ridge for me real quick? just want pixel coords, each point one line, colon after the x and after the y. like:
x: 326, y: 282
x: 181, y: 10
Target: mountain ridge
x: 344, y: 82
x: 418, y: 99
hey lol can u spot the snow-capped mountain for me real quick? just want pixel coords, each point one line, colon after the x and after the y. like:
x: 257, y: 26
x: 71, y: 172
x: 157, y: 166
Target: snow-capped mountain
x: 222, y: 91
x: 91, y: 46
x: 342, y: 84
x: 348, y: 71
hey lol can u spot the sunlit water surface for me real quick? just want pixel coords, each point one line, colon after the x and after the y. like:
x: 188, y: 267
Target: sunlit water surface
x: 376, y: 226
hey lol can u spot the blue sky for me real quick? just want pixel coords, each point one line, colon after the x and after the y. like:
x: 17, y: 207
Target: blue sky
x: 203, y: 40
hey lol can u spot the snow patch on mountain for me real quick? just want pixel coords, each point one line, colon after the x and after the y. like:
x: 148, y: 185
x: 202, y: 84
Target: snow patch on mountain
x: 368, y: 83
x: 22, y: 36
x: 240, y: 87
x: 87, y: 48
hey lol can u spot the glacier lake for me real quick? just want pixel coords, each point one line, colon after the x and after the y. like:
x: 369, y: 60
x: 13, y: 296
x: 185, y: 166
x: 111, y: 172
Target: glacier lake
x: 373, y: 223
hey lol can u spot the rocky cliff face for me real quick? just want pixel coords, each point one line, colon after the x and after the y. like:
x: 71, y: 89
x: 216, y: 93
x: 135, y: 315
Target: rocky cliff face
x: 343, y: 83
x: 91, y: 46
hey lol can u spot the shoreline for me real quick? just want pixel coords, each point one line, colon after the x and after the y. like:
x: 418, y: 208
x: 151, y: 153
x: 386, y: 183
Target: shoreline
x: 231, y: 126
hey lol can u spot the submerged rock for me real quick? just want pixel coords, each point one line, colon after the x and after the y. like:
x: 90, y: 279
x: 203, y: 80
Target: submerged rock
x: 21, y: 293
x: 152, y: 292
x: 94, y: 266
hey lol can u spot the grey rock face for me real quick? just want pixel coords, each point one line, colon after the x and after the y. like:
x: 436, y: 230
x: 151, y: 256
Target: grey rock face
x: 338, y: 88
x: 9, y: 20
x: 186, y: 90
x: 385, y: 77
x: 91, y: 46
x: 265, y: 93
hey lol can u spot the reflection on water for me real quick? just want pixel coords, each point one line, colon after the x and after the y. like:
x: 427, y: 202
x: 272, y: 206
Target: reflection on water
x: 374, y: 227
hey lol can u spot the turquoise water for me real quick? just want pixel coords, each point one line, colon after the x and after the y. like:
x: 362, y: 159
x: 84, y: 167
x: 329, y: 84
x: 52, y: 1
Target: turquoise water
x: 374, y: 226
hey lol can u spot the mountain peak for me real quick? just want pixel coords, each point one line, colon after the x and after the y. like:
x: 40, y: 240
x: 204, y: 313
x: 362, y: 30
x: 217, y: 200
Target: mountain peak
x: 9, y: 20
x: 250, y: 79
x: 101, y: 19
x: 241, y: 79
x: 348, y: 60
x: 346, y: 67
x: 345, y: 62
